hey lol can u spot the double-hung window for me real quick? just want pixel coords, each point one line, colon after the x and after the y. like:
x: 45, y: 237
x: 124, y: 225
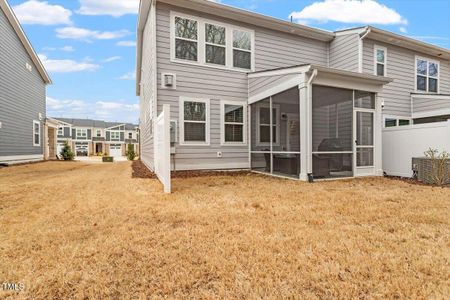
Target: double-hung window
x: 242, y: 49
x: 60, y: 130
x: 380, y: 60
x: 215, y: 44
x: 99, y: 133
x: 36, y: 133
x: 427, y: 75
x: 130, y: 135
x: 196, y: 40
x: 81, y: 134
x: 233, y: 120
x: 115, y: 136
x: 194, y: 120
x: 186, y: 39
x: 265, y: 124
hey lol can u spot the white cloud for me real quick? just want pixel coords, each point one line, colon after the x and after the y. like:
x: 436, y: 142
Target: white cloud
x: 349, y: 11
x: 128, y: 76
x: 403, y: 29
x: 115, y: 8
x: 119, y: 111
x: 77, y: 33
x: 111, y: 59
x: 65, y: 49
x: 126, y: 44
x: 66, y: 65
x: 42, y: 13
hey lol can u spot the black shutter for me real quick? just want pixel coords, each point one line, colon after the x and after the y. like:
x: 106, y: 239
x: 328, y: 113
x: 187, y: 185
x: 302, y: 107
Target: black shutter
x: 108, y: 136
x: 89, y: 134
x: 122, y: 136
x: 74, y: 133
x: 66, y: 132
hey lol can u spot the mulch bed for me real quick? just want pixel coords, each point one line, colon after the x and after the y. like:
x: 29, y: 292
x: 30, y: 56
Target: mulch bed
x: 415, y: 181
x: 141, y: 171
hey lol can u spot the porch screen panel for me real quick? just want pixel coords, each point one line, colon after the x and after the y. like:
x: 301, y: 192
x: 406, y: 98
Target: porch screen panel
x: 332, y: 132
x: 260, y: 125
x: 286, y: 143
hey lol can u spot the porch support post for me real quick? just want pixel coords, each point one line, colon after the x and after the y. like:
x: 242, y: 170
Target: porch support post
x: 378, y: 140
x: 304, y: 129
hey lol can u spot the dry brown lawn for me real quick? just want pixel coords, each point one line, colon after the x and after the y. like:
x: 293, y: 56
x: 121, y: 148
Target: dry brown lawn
x: 74, y: 230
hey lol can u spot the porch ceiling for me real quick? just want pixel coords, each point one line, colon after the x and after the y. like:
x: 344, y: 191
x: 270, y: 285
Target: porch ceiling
x: 264, y: 84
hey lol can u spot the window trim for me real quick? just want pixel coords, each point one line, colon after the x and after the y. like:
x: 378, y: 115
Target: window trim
x: 428, y: 60
x: 111, y: 135
x: 222, y: 123
x: 216, y: 45
x: 34, y: 133
x: 81, y: 129
x: 207, y: 121
x: 258, y: 124
x: 397, y: 121
x: 62, y: 131
x: 98, y: 133
x: 201, y: 46
x: 375, y: 61
x: 130, y: 135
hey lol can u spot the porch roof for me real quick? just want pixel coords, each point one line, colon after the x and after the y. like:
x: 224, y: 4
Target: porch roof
x: 263, y: 84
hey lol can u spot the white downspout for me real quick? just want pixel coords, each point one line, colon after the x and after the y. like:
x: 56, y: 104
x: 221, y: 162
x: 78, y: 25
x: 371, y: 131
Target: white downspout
x: 360, y: 49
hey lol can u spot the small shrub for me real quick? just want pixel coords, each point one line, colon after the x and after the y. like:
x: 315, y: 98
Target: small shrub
x: 67, y: 152
x: 439, y: 161
x: 131, y: 154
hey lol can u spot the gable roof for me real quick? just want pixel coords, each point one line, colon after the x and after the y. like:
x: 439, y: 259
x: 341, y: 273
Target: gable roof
x: 94, y: 123
x: 23, y: 38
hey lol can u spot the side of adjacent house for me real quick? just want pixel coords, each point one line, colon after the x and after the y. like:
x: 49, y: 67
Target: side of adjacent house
x: 23, y: 81
x: 253, y: 92
x: 94, y: 137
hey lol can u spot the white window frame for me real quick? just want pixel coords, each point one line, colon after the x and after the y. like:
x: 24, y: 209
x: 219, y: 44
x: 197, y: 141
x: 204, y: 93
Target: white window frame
x: 201, y: 46
x: 428, y: 60
x: 375, y: 61
x: 82, y: 130
x: 199, y: 32
x: 130, y: 135
x: 38, y: 133
x: 60, y: 131
x: 207, y: 121
x: 397, y: 121
x: 258, y: 123
x: 98, y: 133
x: 223, y: 123
x: 111, y: 135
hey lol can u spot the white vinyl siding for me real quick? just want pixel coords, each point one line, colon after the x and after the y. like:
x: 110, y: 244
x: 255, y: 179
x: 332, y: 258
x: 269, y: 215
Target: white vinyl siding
x: 194, y: 121
x: 36, y: 133
x: 195, y: 40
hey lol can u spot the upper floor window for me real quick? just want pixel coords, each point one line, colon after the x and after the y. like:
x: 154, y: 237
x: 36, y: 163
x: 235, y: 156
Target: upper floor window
x: 215, y: 43
x: 427, y: 75
x: 380, y: 60
x: 205, y: 42
x: 60, y: 130
x: 115, y: 135
x: 81, y: 133
x: 242, y: 49
x: 98, y: 133
x: 36, y: 133
x: 130, y: 135
x: 186, y: 39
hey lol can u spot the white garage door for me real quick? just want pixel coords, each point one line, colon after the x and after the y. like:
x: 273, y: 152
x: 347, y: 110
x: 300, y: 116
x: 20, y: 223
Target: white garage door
x: 115, y: 150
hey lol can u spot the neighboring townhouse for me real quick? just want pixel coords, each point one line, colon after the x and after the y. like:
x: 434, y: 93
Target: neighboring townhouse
x: 23, y: 80
x: 247, y: 91
x: 93, y: 137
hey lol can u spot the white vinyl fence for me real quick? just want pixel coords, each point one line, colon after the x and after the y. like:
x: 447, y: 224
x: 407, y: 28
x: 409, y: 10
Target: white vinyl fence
x: 401, y: 144
x: 162, y: 148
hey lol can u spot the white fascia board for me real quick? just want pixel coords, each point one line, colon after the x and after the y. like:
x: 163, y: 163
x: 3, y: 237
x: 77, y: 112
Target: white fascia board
x: 293, y: 82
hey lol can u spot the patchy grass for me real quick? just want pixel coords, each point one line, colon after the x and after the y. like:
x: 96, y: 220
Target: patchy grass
x: 74, y: 230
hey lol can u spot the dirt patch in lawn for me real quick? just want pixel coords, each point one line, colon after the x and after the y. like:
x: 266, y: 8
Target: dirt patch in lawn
x: 93, y: 231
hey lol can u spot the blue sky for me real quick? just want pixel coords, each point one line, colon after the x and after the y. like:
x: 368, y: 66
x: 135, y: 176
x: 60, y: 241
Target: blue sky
x: 88, y: 46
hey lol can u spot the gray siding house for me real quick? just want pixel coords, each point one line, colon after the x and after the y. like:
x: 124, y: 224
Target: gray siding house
x: 23, y: 81
x: 89, y: 137
x: 247, y: 91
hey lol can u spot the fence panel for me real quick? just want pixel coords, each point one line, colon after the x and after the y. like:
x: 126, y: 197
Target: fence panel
x: 162, y: 148
x: 401, y: 144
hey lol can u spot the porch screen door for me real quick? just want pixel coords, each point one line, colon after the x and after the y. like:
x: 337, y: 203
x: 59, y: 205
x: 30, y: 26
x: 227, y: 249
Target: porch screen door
x: 364, y: 142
